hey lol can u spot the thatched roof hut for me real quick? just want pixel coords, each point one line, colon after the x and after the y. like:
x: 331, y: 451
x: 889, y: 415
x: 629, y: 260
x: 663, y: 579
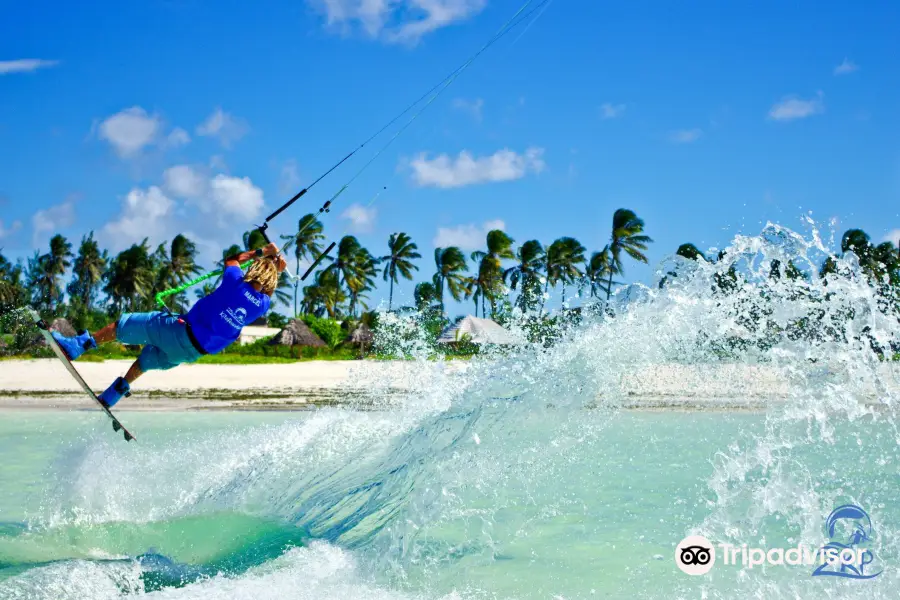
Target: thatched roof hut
x: 480, y: 331
x: 297, y: 333
x: 36, y: 340
x: 362, y: 335
x: 63, y: 327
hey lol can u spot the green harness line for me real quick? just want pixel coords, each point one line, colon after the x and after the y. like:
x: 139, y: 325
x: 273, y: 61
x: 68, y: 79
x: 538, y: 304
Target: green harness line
x: 160, y: 297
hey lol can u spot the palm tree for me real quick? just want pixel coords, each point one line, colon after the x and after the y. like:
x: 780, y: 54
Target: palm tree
x: 403, y: 251
x: 451, y: 268
x: 87, y: 271
x: 60, y: 253
x: 886, y: 263
x: 325, y: 295
x: 12, y: 293
x: 254, y: 239
x: 563, y: 257
x: 425, y: 294
x: 354, y: 267
x: 365, y: 267
x: 856, y: 241
x: 598, y: 269
x: 690, y: 251
x: 175, y: 267
x: 627, y: 235
x: 490, y: 270
x: 478, y: 287
x: 532, y: 260
x: 282, y: 293
x: 306, y: 245
x: 130, y: 278
x: 205, y: 290
x: 44, y: 271
x: 38, y: 280
x: 232, y: 250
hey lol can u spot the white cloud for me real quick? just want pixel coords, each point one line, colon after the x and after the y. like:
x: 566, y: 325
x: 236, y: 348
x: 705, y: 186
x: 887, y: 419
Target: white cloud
x: 143, y: 215
x: 466, y: 237
x: 177, y: 137
x: 473, y: 107
x: 51, y: 220
x: 130, y: 130
x: 183, y: 181
x: 362, y: 219
x: 504, y: 165
x: 25, y: 65
x: 685, y: 136
x: 396, y: 21
x: 4, y: 232
x: 224, y: 126
x: 892, y: 236
x: 233, y: 196
x: 611, y: 111
x: 217, y: 162
x: 289, y: 180
x: 792, y: 107
x: 846, y: 67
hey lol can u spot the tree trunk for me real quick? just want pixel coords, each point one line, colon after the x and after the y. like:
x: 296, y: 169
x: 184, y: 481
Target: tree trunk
x: 296, y: 286
x: 609, y: 286
x: 391, y: 295
x: 544, y: 296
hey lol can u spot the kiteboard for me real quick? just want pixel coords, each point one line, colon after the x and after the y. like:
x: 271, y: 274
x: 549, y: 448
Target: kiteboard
x: 45, y: 331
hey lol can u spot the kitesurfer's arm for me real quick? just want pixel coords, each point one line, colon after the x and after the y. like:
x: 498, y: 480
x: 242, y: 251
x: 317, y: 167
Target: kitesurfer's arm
x: 280, y: 262
x: 238, y: 259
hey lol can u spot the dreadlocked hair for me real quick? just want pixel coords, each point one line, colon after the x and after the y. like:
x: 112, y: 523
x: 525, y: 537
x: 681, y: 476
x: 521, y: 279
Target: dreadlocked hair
x: 265, y: 273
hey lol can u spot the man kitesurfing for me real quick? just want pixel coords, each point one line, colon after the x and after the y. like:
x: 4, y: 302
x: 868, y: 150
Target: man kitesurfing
x: 216, y: 320
x: 212, y: 324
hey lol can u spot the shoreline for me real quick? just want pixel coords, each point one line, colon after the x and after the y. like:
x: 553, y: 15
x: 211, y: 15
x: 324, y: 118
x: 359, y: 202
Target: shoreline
x: 43, y: 384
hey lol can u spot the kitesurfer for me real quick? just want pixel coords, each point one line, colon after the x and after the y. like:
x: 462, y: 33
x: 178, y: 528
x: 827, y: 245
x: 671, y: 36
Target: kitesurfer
x: 212, y: 324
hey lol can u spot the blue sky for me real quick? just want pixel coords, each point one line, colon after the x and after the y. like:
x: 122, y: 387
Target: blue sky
x: 152, y: 118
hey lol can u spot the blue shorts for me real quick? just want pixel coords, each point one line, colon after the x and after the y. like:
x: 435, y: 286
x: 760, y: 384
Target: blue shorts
x: 165, y: 339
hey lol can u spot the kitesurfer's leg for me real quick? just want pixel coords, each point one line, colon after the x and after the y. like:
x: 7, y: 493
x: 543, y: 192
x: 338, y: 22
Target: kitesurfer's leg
x: 107, y: 334
x: 152, y: 358
x: 122, y: 385
x: 134, y: 372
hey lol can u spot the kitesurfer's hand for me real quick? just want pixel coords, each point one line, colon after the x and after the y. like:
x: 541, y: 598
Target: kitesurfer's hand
x: 280, y: 262
x: 270, y: 250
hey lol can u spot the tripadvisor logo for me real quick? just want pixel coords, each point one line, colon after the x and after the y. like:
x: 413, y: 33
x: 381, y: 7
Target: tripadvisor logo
x: 845, y: 555
x: 695, y: 555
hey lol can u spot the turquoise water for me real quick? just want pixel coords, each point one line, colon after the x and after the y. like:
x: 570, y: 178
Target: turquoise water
x: 519, y: 476
x: 585, y: 512
x: 193, y: 511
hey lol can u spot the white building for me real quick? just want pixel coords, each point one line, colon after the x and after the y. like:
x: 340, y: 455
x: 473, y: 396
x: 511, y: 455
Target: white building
x: 257, y: 330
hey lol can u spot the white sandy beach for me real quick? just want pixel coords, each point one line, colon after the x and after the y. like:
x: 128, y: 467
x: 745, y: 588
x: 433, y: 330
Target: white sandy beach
x: 44, y: 383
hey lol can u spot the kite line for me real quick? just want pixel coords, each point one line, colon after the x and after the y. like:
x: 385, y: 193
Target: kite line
x: 520, y: 16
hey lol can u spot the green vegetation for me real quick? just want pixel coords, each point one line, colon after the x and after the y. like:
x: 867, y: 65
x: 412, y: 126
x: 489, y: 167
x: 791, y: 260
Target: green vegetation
x: 328, y: 329
x: 103, y: 286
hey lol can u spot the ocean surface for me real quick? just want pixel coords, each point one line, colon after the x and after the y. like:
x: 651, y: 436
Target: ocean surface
x: 520, y: 476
